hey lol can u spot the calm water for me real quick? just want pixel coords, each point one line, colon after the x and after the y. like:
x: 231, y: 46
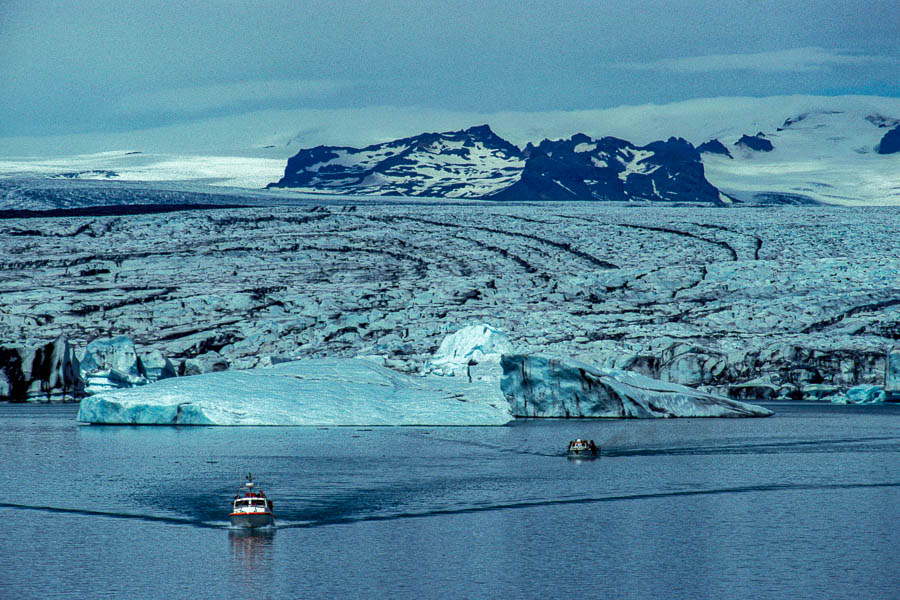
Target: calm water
x: 805, y: 504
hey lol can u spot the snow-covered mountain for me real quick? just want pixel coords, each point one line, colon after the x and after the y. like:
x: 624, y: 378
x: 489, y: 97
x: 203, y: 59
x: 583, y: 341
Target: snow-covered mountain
x: 477, y: 163
x: 471, y: 163
x: 829, y: 149
x: 582, y: 168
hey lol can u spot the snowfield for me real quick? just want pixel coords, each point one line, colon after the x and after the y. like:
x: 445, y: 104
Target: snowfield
x: 822, y: 155
x: 230, y: 171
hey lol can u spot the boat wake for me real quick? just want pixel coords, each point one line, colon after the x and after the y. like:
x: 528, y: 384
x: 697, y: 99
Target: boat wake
x: 349, y: 519
x: 337, y: 517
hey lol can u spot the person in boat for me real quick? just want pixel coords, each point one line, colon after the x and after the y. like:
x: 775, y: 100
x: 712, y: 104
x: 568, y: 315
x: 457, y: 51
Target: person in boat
x: 594, y: 449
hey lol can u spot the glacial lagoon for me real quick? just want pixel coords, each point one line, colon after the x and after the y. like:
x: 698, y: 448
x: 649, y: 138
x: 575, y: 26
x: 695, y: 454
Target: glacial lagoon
x: 800, y: 505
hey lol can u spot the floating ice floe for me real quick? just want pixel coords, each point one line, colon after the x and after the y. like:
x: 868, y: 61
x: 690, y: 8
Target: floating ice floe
x: 545, y: 386
x: 316, y: 392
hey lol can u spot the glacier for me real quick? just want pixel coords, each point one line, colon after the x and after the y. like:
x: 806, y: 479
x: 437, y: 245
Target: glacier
x: 546, y: 386
x: 315, y: 392
x: 797, y: 297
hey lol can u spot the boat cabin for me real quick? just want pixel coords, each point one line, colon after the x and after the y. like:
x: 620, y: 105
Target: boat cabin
x: 252, y: 502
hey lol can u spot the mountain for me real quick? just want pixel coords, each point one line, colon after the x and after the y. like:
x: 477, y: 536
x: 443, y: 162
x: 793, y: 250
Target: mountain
x: 477, y: 163
x: 890, y: 143
x: 582, y: 168
x: 471, y: 163
x: 714, y: 146
x: 756, y: 143
x: 825, y: 149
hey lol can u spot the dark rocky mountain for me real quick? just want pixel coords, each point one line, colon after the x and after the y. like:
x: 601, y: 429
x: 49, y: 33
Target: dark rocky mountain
x: 714, y: 146
x: 890, y: 142
x: 612, y: 169
x: 476, y: 163
x: 757, y: 143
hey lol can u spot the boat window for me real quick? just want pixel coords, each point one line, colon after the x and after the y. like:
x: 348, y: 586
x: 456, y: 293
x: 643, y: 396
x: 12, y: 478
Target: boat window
x: 259, y: 503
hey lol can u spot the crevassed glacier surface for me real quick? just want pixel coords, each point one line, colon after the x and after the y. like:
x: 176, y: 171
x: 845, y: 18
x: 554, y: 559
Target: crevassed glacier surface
x: 323, y: 392
x: 545, y: 386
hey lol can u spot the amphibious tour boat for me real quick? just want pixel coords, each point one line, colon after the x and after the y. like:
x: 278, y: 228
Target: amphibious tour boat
x: 251, y: 508
x: 583, y: 449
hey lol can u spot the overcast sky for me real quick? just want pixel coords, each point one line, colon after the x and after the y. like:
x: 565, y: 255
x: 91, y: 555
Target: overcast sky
x: 115, y: 65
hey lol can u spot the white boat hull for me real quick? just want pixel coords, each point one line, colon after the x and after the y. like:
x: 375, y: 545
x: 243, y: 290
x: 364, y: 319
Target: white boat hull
x: 583, y: 453
x: 252, y: 520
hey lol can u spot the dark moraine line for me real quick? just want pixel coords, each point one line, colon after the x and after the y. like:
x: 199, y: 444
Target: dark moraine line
x: 114, y: 210
x: 820, y: 325
x: 504, y: 252
x: 721, y: 244
x: 293, y: 220
x: 787, y: 487
x: 86, y: 309
x: 421, y: 268
x: 758, y: 241
x: 603, y: 264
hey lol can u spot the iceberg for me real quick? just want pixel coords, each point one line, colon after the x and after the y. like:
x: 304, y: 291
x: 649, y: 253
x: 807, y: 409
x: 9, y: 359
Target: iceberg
x: 111, y: 364
x: 892, y: 375
x: 315, y: 392
x: 470, y: 346
x: 45, y: 372
x: 545, y: 386
x: 860, y: 394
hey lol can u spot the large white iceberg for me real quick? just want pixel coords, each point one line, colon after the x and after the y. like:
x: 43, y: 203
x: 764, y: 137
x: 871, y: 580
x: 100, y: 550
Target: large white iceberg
x: 317, y: 392
x: 479, y: 346
x: 544, y: 386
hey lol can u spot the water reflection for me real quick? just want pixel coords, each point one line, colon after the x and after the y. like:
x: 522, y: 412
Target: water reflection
x: 251, y: 549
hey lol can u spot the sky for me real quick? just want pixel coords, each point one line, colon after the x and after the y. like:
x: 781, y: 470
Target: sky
x: 99, y: 66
